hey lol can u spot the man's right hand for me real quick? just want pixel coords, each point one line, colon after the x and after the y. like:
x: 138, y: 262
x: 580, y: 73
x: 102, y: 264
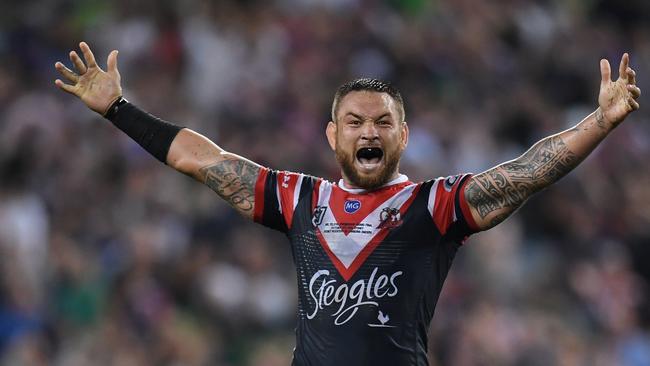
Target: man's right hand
x: 98, y: 89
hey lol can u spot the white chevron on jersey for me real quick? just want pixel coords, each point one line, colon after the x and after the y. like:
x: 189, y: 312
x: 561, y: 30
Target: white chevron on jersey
x: 346, y: 248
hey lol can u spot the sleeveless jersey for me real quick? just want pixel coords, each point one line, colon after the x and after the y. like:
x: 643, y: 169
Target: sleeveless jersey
x: 370, y: 265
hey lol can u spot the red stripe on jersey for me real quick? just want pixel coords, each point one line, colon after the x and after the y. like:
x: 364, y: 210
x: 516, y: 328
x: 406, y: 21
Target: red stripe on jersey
x: 258, y: 212
x: 347, y: 273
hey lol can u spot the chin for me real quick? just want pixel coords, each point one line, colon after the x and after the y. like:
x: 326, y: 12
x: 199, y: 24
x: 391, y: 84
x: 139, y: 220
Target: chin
x: 368, y: 181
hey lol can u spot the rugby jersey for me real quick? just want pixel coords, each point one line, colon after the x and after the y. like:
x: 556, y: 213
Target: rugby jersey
x: 370, y: 264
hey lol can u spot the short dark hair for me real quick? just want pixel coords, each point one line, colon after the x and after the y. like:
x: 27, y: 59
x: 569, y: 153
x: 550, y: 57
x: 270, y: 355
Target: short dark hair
x: 367, y: 84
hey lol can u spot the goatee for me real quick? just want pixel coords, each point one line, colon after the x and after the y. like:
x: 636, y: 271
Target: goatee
x: 368, y: 182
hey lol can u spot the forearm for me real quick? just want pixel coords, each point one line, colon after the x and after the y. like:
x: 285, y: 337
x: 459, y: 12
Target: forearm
x: 152, y: 133
x: 554, y: 156
x: 494, y: 194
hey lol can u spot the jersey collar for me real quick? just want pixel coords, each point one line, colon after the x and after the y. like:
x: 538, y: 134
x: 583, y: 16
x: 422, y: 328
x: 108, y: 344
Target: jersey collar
x: 400, y: 179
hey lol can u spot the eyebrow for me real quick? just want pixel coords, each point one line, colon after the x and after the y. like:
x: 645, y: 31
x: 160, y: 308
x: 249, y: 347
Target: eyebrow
x: 359, y: 117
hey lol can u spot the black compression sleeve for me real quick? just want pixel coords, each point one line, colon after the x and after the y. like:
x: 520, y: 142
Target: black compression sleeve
x: 150, y: 132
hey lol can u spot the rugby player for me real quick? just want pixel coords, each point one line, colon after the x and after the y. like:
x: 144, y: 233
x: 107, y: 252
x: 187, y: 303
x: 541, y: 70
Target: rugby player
x: 373, y: 249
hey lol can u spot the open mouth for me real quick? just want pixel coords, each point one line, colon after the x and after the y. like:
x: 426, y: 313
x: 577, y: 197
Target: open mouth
x: 369, y: 157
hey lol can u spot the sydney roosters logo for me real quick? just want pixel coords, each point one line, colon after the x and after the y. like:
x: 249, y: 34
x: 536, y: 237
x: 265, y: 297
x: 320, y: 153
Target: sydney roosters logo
x: 348, y: 298
x: 389, y: 218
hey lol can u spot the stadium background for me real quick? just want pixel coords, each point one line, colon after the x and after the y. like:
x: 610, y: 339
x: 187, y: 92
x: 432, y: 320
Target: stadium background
x: 109, y: 258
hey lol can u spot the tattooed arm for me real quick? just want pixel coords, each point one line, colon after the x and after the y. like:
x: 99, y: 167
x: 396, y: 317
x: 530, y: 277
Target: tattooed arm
x: 496, y: 193
x: 230, y: 176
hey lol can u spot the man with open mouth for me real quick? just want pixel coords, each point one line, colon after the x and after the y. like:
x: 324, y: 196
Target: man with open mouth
x: 372, y: 250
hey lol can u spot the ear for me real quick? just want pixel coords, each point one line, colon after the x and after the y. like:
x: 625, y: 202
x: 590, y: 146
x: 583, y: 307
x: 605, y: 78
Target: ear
x: 331, y: 134
x: 405, y: 134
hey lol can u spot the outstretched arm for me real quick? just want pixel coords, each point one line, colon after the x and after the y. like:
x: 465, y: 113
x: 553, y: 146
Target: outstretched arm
x: 230, y: 176
x: 496, y: 193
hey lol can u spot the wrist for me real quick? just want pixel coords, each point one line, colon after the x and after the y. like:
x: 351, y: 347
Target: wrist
x: 150, y: 132
x: 602, y: 121
x: 113, y: 107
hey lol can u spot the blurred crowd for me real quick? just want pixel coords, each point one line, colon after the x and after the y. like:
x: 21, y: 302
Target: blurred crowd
x: 107, y: 257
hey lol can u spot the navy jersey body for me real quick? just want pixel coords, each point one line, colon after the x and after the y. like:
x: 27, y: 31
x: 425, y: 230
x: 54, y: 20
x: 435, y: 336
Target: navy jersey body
x: 370, y: 265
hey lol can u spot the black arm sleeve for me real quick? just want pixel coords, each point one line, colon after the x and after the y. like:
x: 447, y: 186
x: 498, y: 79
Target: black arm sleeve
x: 150, y: 132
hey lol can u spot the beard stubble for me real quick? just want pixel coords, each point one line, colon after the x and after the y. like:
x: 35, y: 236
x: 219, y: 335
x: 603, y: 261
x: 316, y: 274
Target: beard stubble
x: 368, y: 182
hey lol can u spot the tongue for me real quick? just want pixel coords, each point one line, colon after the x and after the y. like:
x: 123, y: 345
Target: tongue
x: 369, y: 161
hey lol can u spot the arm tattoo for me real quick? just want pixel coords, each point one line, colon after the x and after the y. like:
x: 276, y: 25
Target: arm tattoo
x: 600, y: 119
x: 508, y: 185
x: 233, y: 180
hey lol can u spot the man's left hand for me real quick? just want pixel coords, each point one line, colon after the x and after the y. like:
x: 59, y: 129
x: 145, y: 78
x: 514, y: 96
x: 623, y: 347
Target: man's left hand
x: 617, y: 98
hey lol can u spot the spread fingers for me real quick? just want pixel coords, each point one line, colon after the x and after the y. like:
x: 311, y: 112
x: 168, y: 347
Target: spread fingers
x: 67, y: 73
x: 78, y: 64
x: 66, y: 87
x: 88, y: 55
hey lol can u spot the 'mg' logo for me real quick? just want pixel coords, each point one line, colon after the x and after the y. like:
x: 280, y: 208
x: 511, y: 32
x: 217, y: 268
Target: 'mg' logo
x: 352, y: 206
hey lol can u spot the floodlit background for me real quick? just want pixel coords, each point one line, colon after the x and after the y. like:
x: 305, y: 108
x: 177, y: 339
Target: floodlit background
x: 107, y: 257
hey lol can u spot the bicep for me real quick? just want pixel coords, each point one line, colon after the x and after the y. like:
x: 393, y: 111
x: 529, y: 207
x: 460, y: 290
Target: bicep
x: 231, y: 176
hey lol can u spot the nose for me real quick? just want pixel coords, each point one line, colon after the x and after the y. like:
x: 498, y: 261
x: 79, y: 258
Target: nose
x: 369, y: 131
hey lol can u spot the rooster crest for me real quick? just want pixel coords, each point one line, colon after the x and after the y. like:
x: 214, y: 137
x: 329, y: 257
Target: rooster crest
x: 383, y: 319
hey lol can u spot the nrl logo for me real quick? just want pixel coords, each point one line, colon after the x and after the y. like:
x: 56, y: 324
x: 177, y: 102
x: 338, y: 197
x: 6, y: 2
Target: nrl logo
x: 389, y: 218
x: 317, y: 217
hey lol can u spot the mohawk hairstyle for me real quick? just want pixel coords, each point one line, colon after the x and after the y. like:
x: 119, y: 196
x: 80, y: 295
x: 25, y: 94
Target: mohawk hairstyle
x: 367, y: 84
